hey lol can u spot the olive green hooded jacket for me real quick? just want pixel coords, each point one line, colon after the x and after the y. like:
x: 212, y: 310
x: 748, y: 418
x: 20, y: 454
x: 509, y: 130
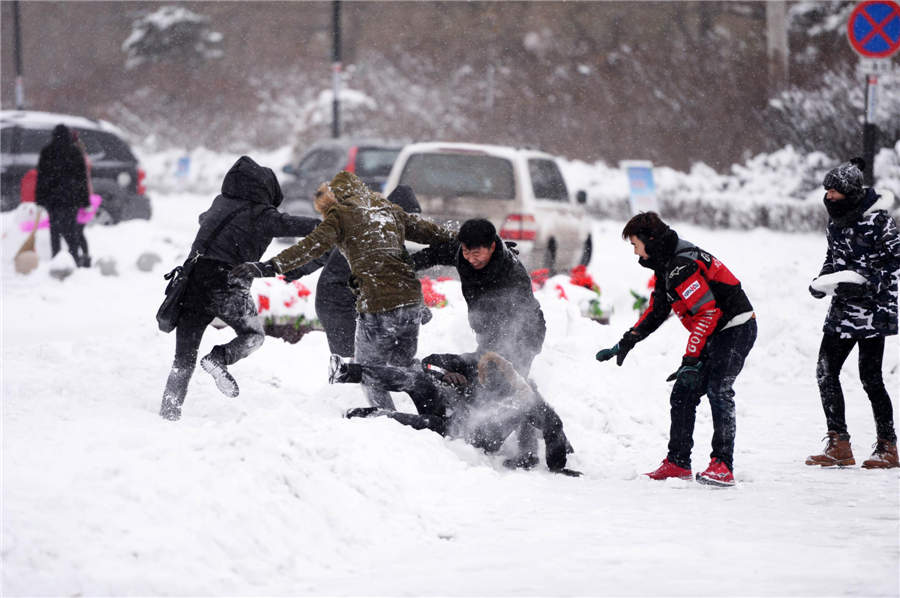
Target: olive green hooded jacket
x: 370, y: 232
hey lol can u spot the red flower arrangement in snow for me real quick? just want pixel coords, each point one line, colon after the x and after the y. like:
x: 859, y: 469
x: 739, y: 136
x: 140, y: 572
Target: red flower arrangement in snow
x: 539, y: 278
x: 432, y: 297
x: 581, y: 278
x: 263, y: 303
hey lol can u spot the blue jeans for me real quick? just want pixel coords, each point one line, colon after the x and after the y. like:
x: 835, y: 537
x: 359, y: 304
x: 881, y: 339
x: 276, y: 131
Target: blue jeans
x: 723, y: 360
x: 387, y: 338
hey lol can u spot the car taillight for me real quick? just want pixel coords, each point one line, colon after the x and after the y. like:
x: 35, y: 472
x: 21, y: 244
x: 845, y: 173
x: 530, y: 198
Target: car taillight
x: 519, y: 227
x: 141, y: 188
x: 351, y: 160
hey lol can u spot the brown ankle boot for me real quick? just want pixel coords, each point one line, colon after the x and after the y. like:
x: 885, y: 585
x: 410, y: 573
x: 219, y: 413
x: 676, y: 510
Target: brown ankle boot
x: 884, y: 457
x: 837, y: 452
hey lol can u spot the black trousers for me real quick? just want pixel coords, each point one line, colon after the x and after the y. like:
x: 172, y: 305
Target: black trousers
x: 64, y: 224
x: 833, y: 352
x: 723, y: 360
x: 210, y: 295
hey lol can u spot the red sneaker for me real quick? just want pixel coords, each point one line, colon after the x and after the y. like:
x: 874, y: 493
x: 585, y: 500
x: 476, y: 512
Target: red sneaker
x: 717, y: 474
x: 669, y: 470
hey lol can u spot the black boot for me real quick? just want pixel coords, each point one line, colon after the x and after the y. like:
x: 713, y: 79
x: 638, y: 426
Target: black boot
x: 343, y: 373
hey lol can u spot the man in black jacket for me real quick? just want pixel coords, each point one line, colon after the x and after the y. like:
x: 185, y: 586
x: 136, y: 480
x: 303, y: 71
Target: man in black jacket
x: 480, y: 400
x: 503, y: 312
x: 250, y: 196
x: 61, y: 189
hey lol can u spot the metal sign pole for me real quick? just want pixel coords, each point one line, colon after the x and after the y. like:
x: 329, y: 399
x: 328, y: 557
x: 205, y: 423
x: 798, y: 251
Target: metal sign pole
x: 20, y: 80
x: 870, y: 129
x: 336, y: 68
x: 873, y: 31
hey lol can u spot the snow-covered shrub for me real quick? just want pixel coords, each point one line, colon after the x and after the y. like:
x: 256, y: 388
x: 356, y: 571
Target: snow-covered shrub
x: 171, y: 33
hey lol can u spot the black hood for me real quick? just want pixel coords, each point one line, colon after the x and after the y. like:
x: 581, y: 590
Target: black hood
x: 248, y: 180
x: 659, y: 249
x: 404, y: 197
x: 61, y: 134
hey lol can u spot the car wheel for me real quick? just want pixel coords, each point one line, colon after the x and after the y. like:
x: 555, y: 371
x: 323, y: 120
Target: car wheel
x: 550, y: 257
x: 587, y: 252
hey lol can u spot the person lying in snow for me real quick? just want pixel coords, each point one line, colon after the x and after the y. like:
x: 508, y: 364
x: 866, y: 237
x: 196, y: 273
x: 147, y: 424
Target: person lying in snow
x: 483, y: 401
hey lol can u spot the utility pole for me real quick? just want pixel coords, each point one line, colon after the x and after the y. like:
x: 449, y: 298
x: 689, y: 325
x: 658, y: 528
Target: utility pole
x: 20, y: 82
x: 336, y: 68
x: 777, y: 45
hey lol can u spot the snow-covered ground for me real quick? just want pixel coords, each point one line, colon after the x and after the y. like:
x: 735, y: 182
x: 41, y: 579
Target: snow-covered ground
x: 274, y: 493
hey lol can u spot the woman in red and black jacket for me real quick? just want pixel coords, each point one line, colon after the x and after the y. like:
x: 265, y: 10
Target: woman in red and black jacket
x: 709, y: 301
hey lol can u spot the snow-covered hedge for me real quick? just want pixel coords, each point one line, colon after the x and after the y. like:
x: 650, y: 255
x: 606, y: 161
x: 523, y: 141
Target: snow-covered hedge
x: 781, y: 191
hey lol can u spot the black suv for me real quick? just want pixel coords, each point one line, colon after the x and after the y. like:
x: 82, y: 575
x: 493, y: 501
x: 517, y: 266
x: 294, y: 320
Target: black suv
x: 114, y: 169
x: 370, y: 160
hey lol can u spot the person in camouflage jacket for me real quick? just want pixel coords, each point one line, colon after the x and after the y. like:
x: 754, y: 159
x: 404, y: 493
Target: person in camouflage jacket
x: 370, y: 232
x: 862, y: 238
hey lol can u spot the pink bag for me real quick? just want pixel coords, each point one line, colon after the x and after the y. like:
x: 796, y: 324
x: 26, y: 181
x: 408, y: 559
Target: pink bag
x: 85, y: 215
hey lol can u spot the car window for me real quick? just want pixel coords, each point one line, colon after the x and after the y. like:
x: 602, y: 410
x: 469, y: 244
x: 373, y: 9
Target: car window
x: 375, y: 162
x: 455, y: 175
x: 6, y: 135
x: 547, y: 181
x: 32, y: 141
x: 324, y: 159
x: 101, y: 145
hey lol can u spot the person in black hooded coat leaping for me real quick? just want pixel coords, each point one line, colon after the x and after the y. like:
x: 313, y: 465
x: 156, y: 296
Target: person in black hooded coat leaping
x: 250, y: 196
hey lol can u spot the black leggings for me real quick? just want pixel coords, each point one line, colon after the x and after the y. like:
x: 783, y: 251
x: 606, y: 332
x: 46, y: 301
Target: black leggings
x: 832, y: 355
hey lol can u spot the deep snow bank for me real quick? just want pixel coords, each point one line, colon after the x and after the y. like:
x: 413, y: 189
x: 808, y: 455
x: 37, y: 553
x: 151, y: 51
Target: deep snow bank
x: 274, y: 493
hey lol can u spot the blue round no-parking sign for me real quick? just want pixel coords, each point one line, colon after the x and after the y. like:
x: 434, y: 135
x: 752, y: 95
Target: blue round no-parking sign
x: 874, y: 28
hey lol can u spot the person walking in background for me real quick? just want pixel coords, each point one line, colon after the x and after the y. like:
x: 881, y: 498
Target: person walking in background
x: 370, y: 232
x: 335, y: 302
x: 711, y: 304
x: 239, y: 226
x: 62, y: 188
x: 862, y: 238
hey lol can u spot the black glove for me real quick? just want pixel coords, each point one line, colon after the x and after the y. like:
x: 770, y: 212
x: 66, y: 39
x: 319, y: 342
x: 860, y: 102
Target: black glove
x: 688, y: 374
x: 815, y: 293
x: 425, y: 315
x: 851, y: 290
x: 620, y: 349
x: 455, y: 378
x: 251, y: 270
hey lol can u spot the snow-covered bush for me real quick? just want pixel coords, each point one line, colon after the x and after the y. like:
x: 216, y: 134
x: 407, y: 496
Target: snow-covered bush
x: 171, y: 33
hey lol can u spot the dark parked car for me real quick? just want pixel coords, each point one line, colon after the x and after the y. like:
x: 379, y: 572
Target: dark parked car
x: 114, y: 169
x: 371, y: 160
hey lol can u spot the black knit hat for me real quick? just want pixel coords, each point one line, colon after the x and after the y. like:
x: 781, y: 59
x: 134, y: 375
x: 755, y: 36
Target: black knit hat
x: 846, y: 179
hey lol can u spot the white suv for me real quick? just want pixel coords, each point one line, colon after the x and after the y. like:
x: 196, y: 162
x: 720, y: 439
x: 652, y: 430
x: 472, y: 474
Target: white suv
x: 521, y: 191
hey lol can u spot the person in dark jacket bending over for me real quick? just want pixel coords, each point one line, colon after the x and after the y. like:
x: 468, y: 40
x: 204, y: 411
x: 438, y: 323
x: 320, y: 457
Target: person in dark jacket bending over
x: 250, y: 196
x: 335, y: 301
x: 503, y: 312
x: 710, y: 303
x: 370, y: 232
x: 862, y: 238
x: 62, y: 188
x: 480, y: 400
